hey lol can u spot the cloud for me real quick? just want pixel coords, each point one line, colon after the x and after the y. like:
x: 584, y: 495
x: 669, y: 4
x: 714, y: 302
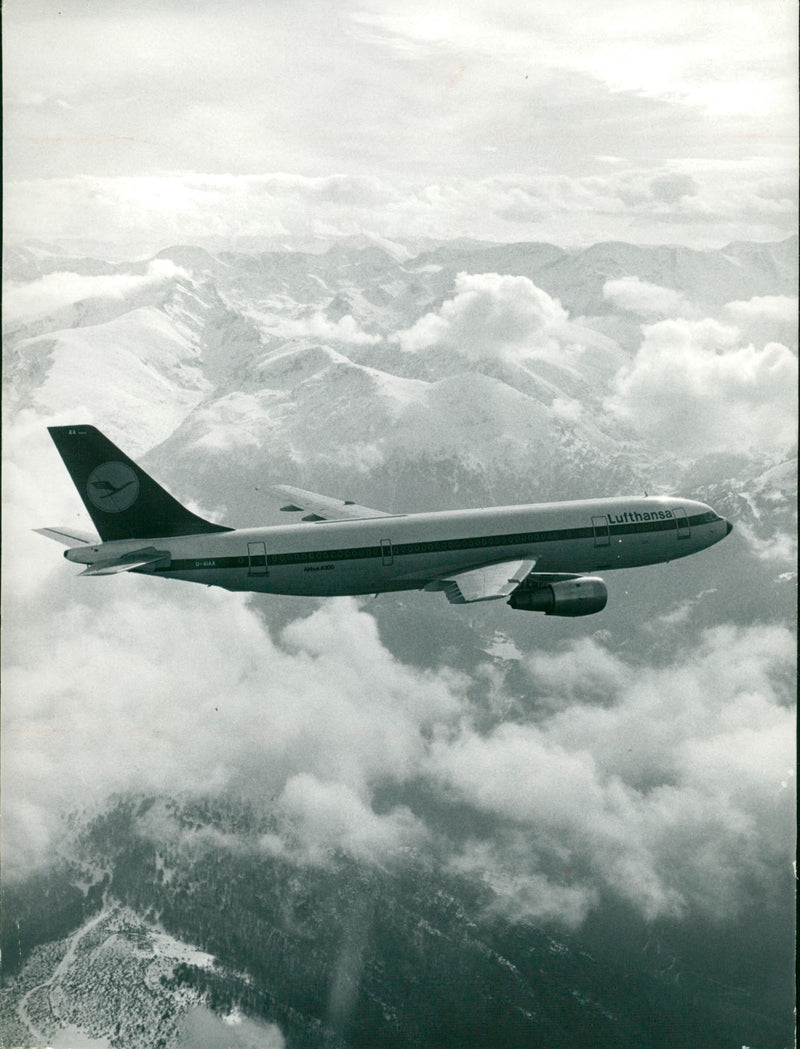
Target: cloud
x: 523, y: 893
x: 620, y: 777
x: 667, y: 188
x: 766, y: 318
x: 667, y: 792
x: 695, y: 387
x: 660, y: 785
x: 160, y: 210
x: 646, y: 205
x: 33, y: 492
x: 491, y: 315
x: 565, y: 410
x: 639, y: 296
x: 584, y: 672
x: 23, y: 302
x: 780, y: 548
x: 603, y: 43
x: 145, y: 213
x: 318, y: 326
x: 124, y: 689
x: 330, y: 815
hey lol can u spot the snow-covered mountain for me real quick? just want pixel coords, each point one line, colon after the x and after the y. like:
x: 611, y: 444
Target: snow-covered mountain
x: 465, y: 374
x: 290, y: 366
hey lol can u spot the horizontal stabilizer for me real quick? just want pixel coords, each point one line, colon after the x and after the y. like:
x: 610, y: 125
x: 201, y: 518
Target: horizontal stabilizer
x: 126, y: 563
x: 69, y: 536
x: 323, y: 507
x: 487, y: 583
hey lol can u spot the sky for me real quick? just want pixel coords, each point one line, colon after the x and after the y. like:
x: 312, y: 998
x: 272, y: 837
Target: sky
x: 141, y: 125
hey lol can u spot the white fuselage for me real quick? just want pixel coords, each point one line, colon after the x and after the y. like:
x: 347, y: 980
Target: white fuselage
x: 406, y: 552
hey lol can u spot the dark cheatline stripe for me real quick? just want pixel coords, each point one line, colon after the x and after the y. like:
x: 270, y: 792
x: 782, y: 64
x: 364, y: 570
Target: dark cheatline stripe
x: 432, y: 547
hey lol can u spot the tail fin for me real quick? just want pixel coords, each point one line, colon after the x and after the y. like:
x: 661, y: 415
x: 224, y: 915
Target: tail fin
x: 122, y: 500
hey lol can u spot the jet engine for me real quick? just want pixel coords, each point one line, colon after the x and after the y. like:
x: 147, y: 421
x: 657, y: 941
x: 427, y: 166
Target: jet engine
x: 569, y: 597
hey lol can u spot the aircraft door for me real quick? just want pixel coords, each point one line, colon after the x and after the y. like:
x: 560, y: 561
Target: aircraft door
x: 601, y: 533
x: 682, y: 521
x: 386, y: 552
x: 257, y: 559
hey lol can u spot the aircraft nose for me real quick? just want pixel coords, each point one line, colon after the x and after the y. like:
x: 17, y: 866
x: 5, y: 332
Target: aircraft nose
x: 728, y: 528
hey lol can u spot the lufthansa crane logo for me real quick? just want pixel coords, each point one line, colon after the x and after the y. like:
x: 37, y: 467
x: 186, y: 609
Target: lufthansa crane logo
x: 113, y: 487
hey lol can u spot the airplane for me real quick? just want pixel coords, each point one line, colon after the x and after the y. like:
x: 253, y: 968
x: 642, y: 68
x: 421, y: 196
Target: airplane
x: 540, y: 557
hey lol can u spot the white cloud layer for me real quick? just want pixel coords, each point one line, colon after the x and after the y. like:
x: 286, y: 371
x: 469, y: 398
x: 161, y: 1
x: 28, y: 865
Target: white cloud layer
x: 332, y: 816
x: 766, y: 318
x: 650, y: 300
x: 23, y: 302
x: 145, y: 213
x: 658, y: 785
x: 665, y: 788
x: 390, y: 104
x: 510, y: 318
x: 129, y: 684
x: 696, y: 386
x: 317, y: 325
x: 491, y: 315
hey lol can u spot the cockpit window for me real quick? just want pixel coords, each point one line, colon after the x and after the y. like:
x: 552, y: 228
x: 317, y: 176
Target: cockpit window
x: 707, y: 518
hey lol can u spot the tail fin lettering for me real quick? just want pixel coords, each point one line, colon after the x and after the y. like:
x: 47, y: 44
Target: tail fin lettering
x: 123, y: 501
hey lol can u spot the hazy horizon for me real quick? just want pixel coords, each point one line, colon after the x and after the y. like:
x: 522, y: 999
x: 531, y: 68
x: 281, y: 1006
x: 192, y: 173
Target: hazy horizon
x: 173, y: 121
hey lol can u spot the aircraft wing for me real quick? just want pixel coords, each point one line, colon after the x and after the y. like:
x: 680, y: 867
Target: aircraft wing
x: 323, y: 507
x: 69, y: 536
x: 487, y: 583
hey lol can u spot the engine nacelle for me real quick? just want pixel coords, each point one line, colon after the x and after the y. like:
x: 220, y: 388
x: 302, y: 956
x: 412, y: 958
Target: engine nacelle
x: 570, y: 597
